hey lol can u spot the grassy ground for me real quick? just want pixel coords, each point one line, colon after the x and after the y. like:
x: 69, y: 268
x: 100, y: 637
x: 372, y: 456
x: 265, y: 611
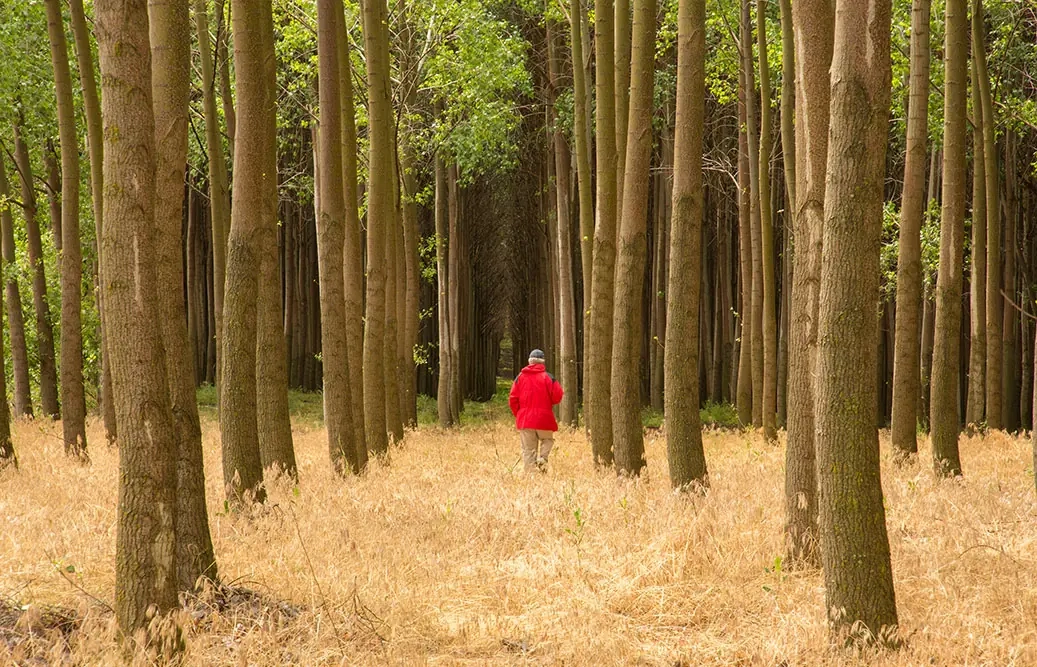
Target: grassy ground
x: 450, y: 555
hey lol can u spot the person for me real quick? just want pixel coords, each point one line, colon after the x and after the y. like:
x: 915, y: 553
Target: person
x: 532, y: 399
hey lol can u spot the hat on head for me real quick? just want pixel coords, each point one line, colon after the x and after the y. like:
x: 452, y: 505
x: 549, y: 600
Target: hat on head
x: 536, y: 357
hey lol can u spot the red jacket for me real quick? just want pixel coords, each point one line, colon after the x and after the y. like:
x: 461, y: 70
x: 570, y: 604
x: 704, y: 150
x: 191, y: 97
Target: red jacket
x: 533, y: 395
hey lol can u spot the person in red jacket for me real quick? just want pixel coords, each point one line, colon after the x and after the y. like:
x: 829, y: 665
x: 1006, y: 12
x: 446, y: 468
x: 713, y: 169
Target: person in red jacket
x: 532, y: 399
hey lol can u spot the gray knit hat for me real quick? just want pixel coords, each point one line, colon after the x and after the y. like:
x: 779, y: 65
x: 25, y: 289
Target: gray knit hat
x: 536, y: 357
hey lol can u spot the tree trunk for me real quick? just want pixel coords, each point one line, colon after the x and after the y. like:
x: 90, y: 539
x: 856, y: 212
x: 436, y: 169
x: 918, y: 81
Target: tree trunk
x: 44, y: 321
x: 581, y: 132
x: 993, y: 200
x: 331, y: 238
x: 628, y: 433
x: 353, y: 279
x: 170, y: 87
x: 744, y: 387
x: 943, y: 408
x: 95, y: 142
x: 813, y: 21
x: 444, y: 386
x: 906, y: 372
x: 756, y: 315
x: 380, y: 216
x: 239, y: 429
x: 8, y: 457
x: 223, y: 55
x: 455, y: 252
x: 686, y: 457
x: 976, y: 399
x: 276, y: 448
x: 13, y: 299
x: 409, y: 304
x: 1010, y: 389
x: 566, y: 300
x: 146, y: 541
x: 73, y: 398
x: 219, y: 190
x: 391, y: 359
x: 855, y: 547
x: 598, y: 369
x: 769, y: 322
x: 622, y: 66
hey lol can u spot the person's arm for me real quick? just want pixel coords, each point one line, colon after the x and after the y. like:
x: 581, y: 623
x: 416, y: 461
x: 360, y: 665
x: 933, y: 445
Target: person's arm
x: 556, y: 392
x: 513, y: 399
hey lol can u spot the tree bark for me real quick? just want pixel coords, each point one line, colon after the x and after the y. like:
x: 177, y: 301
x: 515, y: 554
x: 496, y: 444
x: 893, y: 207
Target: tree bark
x: 581, y: 132
x: 788, y: 152
x: 769, y: 312
x: 219, y: 189
x: 906, y: 370
x: 380, y: 215
x: 49, y: 403
x: 169, y: 23
x: 13, y: 299
x: 756, y: 315
x: 855, y: 547
x: 353, y: 278
x: 744, y: 387
x: 444, y: 387
x: 566, y: 299
x: 276, y: 448
x: 975, y: 407
x: 391, y: 360
x: 8, y: 457
x: 598, y: 368
x: 628, y: 432
x: 73, y: 398
x: 943, y: 408
x: 239, y: 429
x: 686, y: 457
x: 813, y: 22
x: 95, y: 144
x: 993, y: 200
x: 1010, y: 389
x: 622, y: 66
x: 146, y: 543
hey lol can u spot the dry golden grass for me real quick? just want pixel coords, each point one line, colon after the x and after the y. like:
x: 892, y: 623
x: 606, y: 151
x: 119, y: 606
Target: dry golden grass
x: 450, y: 555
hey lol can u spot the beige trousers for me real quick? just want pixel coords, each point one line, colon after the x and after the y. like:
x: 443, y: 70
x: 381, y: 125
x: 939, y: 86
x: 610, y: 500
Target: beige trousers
x: 536, y: 445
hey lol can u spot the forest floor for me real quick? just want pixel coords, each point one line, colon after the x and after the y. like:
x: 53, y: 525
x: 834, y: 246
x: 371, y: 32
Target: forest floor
x: 449, y: 554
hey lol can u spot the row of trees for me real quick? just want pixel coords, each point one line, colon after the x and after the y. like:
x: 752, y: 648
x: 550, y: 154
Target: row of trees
x: 381, y: 200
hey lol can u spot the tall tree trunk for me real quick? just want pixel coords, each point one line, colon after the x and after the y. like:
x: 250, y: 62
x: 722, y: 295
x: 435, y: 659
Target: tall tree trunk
x: 146, y: 541
x: 813, y: 21
x: 444, y: 387
x: 223, y: 56
x: 566, y: 299
x: 50, y: 161
x: 686, y: 457
x: 44, y: 324
x: 628, y: 433
x: 276, y: 448
x: 975, y: 403
x: 744, y: 386
x: 756, y: 315
x: 788, y: 152
x: 581, y: 132
x: 993, y: 200
x: 8, y: 457
x: 769, y: 322
x: 455, y: 252
x: 943, y: 407
x: 622, y: 66
x: 13, y: 299
x: 239, y: 429
x: 219, y: 189
x: 855, y: 546
x: 598, y: 369
x: 1010, y: 327
x: 393, y: 417
x: 95, y: 143
x: 73, y: 398
x: 409, y: 304
x: 906, y: 371
x: 338, y: 404
x: 353, y: 278
x: 380, y: 216
x: 170, y: 88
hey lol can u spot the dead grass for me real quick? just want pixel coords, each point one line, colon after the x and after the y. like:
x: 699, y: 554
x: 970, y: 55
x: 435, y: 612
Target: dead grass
x: 450, y: 555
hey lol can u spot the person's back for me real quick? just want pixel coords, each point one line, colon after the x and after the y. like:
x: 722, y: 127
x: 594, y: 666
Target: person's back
x: 532, y: 401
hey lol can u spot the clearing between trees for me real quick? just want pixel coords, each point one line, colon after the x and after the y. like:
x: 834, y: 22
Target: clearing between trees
x: 451, y: 555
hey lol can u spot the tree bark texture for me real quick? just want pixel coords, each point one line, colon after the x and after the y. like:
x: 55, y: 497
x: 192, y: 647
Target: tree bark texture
x: 13, y: 299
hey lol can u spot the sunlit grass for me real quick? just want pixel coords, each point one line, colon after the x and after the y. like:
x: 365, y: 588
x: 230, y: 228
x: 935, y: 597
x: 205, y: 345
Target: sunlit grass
x: 449, y: 554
